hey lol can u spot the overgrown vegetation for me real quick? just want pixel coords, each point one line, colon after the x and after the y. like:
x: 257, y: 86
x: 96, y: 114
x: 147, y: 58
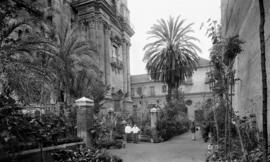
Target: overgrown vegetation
x: 173, y: 119
x: 83, y: 155
x: 235, y: 138
x: 22, y: 131
x: 42, y: 59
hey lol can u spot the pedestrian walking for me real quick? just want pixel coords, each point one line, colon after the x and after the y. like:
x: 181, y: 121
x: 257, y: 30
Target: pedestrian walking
x: 193, y: 131
x: 135, y: 131
x: 128, y: 132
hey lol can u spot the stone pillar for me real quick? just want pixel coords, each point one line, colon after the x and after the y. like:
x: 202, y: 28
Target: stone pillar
x: 85, y: 119
x: 125, y: 66
x: 107, y: 58
x: 154, y: 119
x: 128, y: 71
x: 153, y: 113
x: 100, y: 47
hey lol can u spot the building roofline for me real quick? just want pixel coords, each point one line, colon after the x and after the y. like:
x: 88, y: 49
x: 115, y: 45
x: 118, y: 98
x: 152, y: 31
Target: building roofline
x: 184, y: 94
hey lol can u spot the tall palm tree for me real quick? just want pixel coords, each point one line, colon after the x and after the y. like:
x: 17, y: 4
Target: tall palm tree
x: 71, y: 54
x: 172, y: 56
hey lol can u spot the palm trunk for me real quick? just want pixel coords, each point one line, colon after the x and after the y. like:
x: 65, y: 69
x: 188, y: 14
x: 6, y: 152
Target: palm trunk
x: 264, y: 80
x: 169, y: 97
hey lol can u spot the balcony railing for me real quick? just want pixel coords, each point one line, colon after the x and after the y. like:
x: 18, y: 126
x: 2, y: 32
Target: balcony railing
x: 116, y: 63
x: 188, y: 82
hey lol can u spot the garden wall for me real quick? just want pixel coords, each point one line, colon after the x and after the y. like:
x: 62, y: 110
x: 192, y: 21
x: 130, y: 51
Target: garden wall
x: 34, y: 155
x: 242, y: 17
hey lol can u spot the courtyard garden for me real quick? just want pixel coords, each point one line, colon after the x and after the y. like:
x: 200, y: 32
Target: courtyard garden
x: 65, y: 97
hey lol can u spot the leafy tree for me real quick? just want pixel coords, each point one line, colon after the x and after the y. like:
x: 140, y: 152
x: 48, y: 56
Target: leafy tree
x: 21, y: 42
x: 172, y: 56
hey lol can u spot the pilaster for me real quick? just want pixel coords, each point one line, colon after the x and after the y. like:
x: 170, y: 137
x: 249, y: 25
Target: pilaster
x: 100, y: 36
x: 107, y: 58
x: 125, y: 68
x: 128, y: 71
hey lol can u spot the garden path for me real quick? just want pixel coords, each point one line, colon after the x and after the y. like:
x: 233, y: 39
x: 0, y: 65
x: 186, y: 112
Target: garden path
x: 178, y: 149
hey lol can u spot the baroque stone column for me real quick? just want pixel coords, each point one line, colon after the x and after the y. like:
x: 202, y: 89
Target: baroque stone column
x: 100, y: 35
x: 128, y: 71
x: 107, y: 58
x: 91, y: 31
x: 125, y: 66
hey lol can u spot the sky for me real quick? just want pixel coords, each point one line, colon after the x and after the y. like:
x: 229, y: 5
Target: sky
x: 145, y: 13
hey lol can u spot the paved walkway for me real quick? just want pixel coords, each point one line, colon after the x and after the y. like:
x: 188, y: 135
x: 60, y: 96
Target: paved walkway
x: 178, y: 149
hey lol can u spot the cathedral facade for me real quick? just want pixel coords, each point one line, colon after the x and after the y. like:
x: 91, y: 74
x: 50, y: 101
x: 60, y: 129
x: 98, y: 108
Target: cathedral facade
x: 106, y: 24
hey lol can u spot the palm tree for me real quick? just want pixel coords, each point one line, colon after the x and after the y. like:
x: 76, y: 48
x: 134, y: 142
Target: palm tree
x: 71, y: 55
x: 19, y: 43
x: 172, y: 56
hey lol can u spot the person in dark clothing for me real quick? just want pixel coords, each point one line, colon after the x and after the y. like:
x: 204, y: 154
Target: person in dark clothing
x: 193, y: 131
x: 205, y: 131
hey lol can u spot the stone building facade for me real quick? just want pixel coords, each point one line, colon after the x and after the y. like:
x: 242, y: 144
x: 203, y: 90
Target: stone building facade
x: 106, y: 24
x: 147, y: 93
x: 242, y: 17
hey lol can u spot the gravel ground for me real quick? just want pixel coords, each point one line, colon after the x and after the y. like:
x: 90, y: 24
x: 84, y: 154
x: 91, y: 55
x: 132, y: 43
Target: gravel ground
x: 178, y: 149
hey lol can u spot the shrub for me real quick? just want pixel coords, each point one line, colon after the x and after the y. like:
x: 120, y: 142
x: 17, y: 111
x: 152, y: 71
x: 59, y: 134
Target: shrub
x: 169, y: 128
x: 83, y: 155
x: 173, y: 120
x: 19, y: 131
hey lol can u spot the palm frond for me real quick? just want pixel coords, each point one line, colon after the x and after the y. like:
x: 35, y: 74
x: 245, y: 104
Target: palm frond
x: 172, y: 55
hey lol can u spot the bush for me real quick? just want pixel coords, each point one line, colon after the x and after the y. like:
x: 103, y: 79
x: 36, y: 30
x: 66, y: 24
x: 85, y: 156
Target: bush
x: 170, y: 128
x: 83, y: 155
x: 173, y: 120
x: 19, y: 131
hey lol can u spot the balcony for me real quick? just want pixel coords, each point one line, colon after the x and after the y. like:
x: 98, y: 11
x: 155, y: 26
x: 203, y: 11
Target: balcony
x: 188, y: 82
x: 116, y: 63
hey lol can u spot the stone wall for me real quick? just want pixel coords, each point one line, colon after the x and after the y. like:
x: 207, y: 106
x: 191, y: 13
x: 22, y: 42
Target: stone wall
x: 34, y: 155
x: 106, y: 25
x: 242, y: 17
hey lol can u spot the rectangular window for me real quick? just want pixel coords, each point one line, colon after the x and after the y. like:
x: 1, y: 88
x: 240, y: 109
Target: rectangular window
x: 139, y: 91
x: 49, y: 3
x: 114, y: 52
x: 132, y: 92
x: 164, y: 89
x: 152, y: 91
x: 50, y: 18
x: 189, y: 81
x: 119, y: 56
